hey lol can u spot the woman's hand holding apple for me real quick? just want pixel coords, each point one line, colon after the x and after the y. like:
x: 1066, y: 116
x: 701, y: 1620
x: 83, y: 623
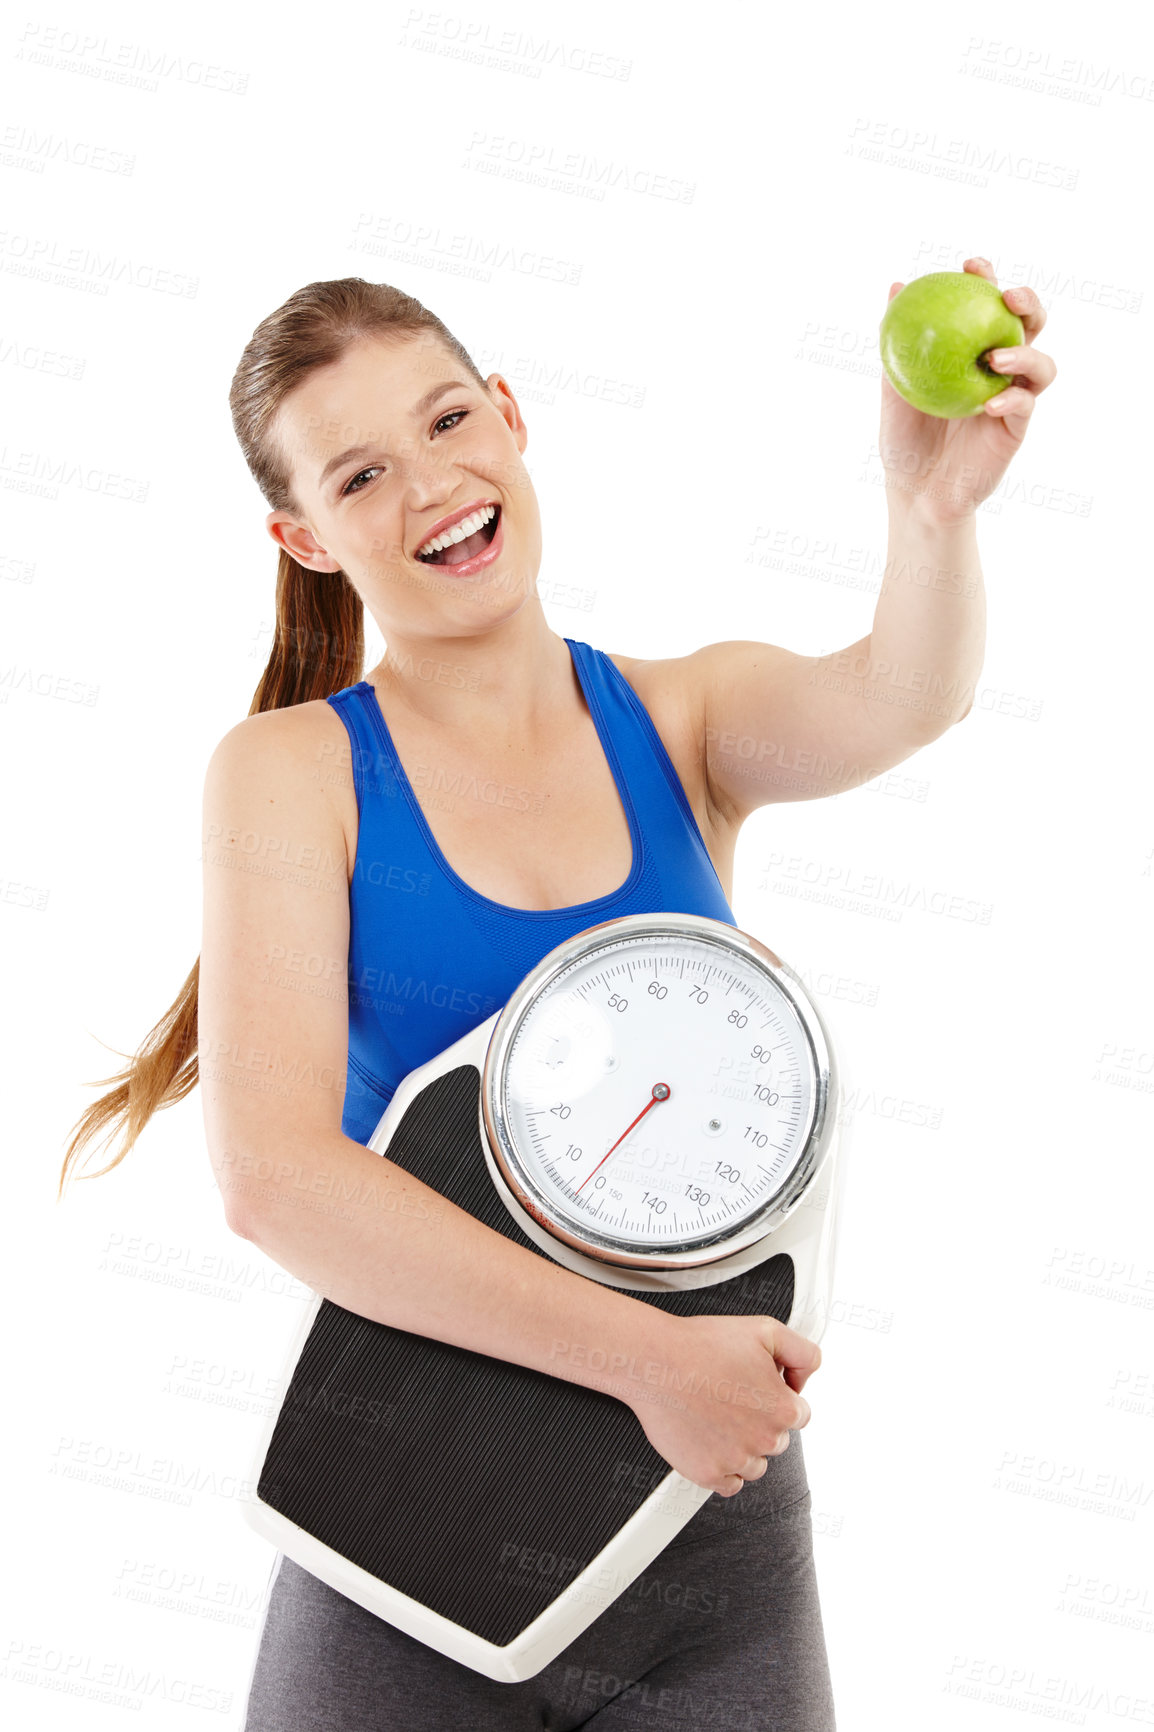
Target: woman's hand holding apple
x: 946, y: 468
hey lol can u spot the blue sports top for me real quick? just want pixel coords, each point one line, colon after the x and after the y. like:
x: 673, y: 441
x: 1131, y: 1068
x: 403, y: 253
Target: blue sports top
x: 429, y: 957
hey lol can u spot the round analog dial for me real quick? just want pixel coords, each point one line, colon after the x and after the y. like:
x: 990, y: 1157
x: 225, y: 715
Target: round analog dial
x: 656, y: 1092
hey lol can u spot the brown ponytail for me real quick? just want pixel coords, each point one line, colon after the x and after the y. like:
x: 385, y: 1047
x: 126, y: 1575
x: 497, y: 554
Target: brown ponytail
x: 318, y: 642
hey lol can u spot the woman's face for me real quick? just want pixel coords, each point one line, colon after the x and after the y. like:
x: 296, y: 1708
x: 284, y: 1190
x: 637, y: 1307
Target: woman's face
x: 383, y: 445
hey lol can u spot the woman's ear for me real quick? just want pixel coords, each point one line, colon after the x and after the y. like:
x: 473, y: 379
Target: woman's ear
x: 296, y: 538
x: 507, y: 406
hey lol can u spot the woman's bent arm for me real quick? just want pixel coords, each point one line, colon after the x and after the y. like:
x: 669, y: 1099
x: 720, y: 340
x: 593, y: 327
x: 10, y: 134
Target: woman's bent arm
x: 350, y: 1223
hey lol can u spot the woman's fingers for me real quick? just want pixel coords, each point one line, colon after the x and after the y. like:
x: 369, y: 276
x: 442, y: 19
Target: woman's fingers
x: 1030, y: 370
x: 1020, y: 300
x: 1014, y: 400
x: 1029, y: 309
x: 1028, y: 367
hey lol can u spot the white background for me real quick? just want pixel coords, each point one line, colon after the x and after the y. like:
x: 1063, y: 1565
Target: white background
x: 980, y: 1448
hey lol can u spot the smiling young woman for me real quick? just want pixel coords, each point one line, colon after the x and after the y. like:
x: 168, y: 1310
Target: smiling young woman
x: 386, y: 855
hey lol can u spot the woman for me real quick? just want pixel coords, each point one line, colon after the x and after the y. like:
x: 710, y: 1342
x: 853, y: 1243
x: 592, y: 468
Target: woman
x: 386, y: 857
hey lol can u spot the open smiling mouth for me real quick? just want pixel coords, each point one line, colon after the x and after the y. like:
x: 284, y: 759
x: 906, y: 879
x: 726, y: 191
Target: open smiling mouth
x: 459, y: 551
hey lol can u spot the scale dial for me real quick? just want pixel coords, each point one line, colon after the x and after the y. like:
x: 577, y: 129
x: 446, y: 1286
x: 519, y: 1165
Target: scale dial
x: 655, y: 1092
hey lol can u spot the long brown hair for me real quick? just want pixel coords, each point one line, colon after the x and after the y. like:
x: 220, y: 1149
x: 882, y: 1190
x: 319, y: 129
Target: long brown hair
x: 318, y: 644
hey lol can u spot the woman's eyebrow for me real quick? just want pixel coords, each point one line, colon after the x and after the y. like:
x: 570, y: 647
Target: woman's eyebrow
x: 420, y: 407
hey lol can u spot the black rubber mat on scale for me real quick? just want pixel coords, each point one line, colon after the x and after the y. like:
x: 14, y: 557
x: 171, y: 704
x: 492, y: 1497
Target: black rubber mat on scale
x: 478, y: 1487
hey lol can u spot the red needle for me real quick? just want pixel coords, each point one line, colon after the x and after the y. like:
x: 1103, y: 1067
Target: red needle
x: 661, y: 1092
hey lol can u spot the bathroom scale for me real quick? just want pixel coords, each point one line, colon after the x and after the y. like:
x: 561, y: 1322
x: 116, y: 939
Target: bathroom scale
x: 655, y: 1108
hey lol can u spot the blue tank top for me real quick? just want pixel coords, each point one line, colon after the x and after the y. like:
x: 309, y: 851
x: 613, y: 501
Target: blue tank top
x: 429, y: 957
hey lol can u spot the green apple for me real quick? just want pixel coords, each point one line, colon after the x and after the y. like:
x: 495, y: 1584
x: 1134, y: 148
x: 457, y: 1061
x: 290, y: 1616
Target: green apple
x: 933, y: 337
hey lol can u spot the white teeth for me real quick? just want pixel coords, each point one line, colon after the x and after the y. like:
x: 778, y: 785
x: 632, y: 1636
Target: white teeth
x: 467, y: 526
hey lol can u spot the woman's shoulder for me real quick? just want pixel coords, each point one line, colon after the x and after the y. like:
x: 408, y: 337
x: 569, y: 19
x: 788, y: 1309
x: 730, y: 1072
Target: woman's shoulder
x: 295, y: 731
x: 291, y: 752
x: 667, y: 687
x: 296, y: 760
x: 670, y: 689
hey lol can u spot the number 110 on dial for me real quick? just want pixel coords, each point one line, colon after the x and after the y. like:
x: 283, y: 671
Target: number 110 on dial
x: 658, y: 1092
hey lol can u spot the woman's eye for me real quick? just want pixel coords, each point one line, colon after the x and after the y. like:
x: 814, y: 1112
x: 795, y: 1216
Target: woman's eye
x: 454, y: 415
x: 349, y: 488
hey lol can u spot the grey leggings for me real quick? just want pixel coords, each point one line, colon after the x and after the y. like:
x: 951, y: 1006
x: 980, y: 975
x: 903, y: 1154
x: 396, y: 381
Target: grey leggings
x: 723, y: 1630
